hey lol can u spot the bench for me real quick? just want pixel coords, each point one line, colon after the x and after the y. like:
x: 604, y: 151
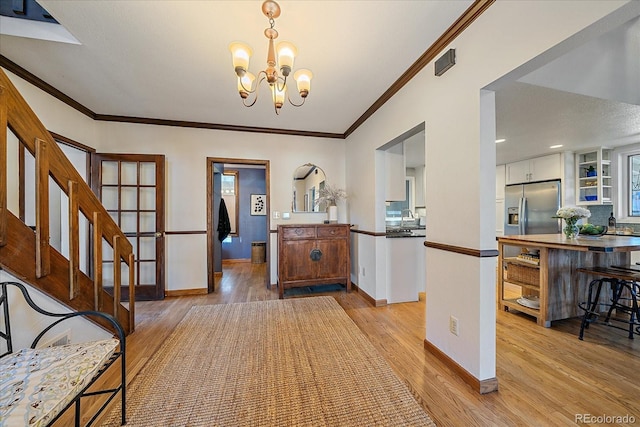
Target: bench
x: 38, y: 385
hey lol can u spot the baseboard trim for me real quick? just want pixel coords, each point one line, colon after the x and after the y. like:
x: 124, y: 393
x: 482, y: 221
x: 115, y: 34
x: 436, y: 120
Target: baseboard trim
x: 185, y: 292
x: 481, y: 386
x: 235, y: 261
x: 367, y: 297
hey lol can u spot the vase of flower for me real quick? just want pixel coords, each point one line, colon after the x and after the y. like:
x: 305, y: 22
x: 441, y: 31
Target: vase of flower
x: 571, y: 229
x: 329, y: 196
x: 571, y: 215
x: 332, y: 211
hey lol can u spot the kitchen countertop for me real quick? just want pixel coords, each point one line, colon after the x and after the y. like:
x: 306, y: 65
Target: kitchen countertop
x: 418, y: 232
x: 606, y: 243
x: 557, y: 281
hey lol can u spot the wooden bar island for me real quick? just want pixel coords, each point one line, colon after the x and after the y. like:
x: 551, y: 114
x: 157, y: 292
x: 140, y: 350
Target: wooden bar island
x: 554, y: 280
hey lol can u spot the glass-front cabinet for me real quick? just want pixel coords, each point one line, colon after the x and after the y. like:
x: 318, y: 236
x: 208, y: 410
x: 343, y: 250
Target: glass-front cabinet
x: 594, y: 182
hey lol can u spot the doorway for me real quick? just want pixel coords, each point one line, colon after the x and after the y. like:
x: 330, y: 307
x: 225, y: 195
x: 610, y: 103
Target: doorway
x: 247, y: 211
x: 131, y: 188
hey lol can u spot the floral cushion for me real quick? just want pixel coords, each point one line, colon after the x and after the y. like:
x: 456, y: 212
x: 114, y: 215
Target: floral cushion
x: 35, y: 385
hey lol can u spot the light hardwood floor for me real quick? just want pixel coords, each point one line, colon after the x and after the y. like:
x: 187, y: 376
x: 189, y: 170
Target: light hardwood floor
x: 546, y: 375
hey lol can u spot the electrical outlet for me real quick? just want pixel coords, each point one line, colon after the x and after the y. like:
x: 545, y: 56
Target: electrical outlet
x: 453, y: 325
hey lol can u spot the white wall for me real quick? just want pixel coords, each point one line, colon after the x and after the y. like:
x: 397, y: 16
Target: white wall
x: 26, y: 324
x: 186, y: 151
x: 460, y: 165
x: 55, y: 115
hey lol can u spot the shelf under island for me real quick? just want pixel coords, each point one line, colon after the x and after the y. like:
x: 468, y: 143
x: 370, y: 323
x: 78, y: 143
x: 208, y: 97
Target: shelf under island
x: 553, y: 280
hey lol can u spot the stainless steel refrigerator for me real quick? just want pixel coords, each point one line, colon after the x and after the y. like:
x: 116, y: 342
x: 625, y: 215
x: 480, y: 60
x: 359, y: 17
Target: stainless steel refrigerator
x: 529, y: 208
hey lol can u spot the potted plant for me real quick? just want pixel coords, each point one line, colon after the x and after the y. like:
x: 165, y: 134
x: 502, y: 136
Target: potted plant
x: 591, y: 171
x: 329, y: 196
x: 571, y: 215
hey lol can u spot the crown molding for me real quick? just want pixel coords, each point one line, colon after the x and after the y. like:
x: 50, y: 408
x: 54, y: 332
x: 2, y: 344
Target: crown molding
x: 471, y: 14
x: 216, y: 126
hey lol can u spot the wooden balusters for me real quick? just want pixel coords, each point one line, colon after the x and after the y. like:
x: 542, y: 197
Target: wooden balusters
x: 74, y: 240
x: 132, y: 292
x: 97, y: 261
x: 43, y: 260
x: 43, y: 268
x: 3, y: 168
x: 117, y: 269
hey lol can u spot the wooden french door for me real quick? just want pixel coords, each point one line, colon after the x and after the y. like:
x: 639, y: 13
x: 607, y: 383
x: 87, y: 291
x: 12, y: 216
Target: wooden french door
x: 131, y: 188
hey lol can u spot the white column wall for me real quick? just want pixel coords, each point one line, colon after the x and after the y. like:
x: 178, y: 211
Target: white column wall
x: 460, y: 164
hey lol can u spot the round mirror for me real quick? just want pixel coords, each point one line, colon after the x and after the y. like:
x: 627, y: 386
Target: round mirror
x: 308, y: 180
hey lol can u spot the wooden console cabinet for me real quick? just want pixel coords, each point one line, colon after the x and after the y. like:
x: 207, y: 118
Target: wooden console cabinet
x: 313, y: 254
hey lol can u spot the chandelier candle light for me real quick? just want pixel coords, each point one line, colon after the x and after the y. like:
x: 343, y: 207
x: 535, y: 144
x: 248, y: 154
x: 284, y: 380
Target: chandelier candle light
x: 571, y: 215
x: 241, y: 53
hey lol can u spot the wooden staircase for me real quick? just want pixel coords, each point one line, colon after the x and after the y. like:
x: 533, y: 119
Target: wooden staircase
x: 27, y: 254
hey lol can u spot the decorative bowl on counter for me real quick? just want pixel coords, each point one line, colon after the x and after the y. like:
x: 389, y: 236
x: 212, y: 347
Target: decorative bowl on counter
x: 592, y: 230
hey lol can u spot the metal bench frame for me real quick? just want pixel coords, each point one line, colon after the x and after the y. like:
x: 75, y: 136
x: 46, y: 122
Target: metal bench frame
x: 119, y: 354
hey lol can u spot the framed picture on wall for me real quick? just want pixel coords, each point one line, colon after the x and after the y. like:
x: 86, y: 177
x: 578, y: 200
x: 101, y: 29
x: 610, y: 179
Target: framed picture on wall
x: 258, y: 204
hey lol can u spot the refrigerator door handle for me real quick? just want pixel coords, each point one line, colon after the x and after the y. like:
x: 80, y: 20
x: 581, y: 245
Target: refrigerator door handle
x: 523, y: 216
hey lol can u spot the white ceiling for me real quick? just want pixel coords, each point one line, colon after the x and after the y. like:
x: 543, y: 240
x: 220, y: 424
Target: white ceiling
x: 170, y: 60
x: 587, y: 98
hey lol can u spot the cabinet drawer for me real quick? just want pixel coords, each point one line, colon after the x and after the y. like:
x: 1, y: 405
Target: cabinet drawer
x: 299, y: 233
x: 332, y: 231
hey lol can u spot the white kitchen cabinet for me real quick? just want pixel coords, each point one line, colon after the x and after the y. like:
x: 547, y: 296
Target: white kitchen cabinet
x: 537, y: 169
x: 594, y: 182
x: 500, y: 181
x: 420, y: 186
x: 517, y: 172
x: 395, y: 174
x: 499, y: 217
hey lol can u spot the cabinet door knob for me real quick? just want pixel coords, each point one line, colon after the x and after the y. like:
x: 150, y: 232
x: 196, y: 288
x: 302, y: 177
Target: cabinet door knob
x: 315, y: 254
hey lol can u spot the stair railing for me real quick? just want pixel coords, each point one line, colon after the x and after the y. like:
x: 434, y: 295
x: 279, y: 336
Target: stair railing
x: 50, y: 161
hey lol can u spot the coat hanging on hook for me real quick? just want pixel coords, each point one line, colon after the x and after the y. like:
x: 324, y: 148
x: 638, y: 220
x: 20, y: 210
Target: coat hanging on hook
x: 224, y: 225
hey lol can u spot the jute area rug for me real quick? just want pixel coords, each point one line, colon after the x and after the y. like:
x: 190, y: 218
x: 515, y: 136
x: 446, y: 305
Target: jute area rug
x: 295, y: 362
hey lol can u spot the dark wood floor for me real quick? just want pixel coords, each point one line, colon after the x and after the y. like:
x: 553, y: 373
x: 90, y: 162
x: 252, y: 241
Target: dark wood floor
x: 546, y: 375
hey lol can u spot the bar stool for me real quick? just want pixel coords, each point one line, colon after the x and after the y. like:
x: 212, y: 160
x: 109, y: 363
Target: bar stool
x: 624, y: 299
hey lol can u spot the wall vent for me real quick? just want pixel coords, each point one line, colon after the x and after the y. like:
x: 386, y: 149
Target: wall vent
x: 63, y: 338
x: 445, y: 62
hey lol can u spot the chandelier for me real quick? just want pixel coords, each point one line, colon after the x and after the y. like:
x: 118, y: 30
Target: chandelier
x: 277, y: 80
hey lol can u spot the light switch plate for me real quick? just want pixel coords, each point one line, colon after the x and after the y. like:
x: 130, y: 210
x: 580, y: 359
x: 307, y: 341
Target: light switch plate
x: 276, y: 215
x: 286, y: 215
